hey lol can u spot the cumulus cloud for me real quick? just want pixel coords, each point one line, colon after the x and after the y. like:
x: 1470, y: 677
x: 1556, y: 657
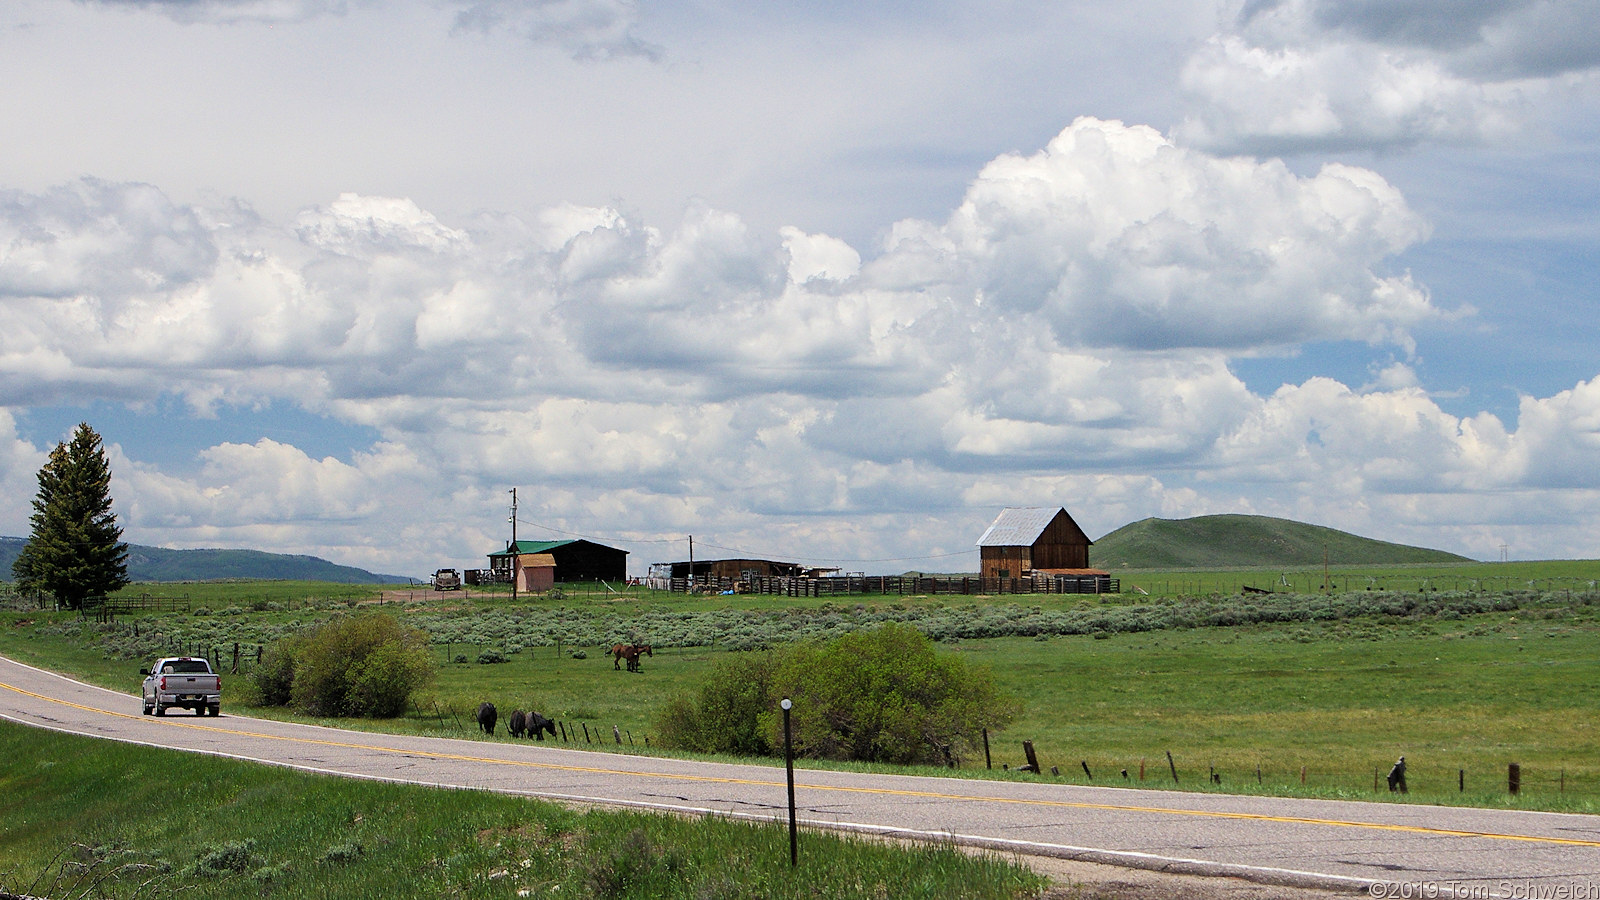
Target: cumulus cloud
x: 1114, y: 236
x: 1065, y: 333
x: 1306, y: 75
x: 1339, y: 97
x: 96, y: 238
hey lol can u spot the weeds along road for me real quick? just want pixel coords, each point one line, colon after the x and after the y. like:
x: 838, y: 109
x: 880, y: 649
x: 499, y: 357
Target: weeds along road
x: 1387, y: 850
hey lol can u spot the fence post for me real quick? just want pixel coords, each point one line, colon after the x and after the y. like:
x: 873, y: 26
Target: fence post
x: 1173, y: 766
x: 1514, y: 778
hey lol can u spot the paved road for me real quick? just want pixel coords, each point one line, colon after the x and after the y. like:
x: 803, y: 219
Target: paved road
x: 1387, y: 849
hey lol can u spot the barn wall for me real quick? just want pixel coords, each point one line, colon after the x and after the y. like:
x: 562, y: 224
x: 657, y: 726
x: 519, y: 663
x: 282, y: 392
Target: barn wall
x: 583, y: 561
x: 1063, y: 545
x: 1012, y: 561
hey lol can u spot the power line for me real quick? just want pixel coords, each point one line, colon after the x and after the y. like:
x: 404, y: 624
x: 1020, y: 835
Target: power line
x: 748, y: 553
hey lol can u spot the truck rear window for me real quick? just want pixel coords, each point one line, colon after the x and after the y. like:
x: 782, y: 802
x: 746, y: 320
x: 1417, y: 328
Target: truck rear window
x: 187, y: 666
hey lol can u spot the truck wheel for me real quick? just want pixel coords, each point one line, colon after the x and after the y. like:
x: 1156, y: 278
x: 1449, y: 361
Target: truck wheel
x: 161, y: 708
x: 146, y: 709
x: 214, y: 711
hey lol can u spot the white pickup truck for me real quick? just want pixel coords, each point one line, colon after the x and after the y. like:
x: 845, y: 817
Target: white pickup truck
x: 185, y: 681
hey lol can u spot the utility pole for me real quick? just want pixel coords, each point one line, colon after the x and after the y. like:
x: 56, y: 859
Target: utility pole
x: 691, y: 563
x: 513, y: 547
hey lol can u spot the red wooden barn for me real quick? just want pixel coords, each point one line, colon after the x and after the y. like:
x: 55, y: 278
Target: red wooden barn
x: 1029, y: 539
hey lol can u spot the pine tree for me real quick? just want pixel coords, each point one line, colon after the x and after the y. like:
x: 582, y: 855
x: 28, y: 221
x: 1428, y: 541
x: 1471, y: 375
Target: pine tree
x: 75, y: 551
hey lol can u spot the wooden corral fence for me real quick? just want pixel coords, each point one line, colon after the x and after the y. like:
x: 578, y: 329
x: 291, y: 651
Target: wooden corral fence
x: 829, y: 586
x: 106, y: 609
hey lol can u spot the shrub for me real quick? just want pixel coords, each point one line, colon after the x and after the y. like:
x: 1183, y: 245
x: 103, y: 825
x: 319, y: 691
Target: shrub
x: 364, y: 665
x: 490, y: 657
x: 273, y: 681
x: 230, y: 858
x: 731, y: 712
x: 882, y: 696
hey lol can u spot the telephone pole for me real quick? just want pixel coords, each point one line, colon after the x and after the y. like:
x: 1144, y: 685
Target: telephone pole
x: 513, y: 547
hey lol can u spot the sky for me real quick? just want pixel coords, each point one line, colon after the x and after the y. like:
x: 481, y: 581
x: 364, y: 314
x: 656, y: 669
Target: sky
x: 828, y: 282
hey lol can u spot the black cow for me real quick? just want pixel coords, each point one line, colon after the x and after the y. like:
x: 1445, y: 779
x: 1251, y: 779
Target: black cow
x: 538, y: 725
x: 487, y: 717
x: 518, y: 723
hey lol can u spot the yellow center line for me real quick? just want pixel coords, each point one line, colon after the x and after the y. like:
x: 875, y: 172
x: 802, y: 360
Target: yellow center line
x: 892, y: 792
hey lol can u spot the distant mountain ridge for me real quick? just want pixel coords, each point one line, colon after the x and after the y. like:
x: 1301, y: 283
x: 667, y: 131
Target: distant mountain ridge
x: 161, y: 564
x: 1238, y: 541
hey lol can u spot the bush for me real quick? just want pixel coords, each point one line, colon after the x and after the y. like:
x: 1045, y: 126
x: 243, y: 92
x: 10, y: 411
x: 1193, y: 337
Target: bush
x: 364, y: 665
x: 881, y: 696
x: 731, y: 712
x: 273, y: 681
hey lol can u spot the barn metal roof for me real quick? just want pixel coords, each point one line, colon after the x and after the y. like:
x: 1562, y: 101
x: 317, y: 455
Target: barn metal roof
x: 532, y: 547
x: 1018, y: 526
x: 526, y: 547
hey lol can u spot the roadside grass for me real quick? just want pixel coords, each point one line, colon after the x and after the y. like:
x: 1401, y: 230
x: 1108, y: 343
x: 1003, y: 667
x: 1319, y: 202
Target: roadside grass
x: 92, y: 818
x: 1342, y: 698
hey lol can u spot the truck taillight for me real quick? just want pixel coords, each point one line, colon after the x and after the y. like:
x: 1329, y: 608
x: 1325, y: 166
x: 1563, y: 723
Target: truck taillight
x: 162, y: 684
x: 219, y: 682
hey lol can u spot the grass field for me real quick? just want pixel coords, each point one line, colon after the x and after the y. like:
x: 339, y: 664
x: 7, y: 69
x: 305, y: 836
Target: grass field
x: 89, y: 818
x: 1341, y: 697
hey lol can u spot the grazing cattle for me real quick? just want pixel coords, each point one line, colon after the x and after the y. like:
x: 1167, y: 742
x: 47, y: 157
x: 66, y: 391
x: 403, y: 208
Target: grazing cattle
x: 486, y: 717
x: 538, y: 725
x: 616, y: 654
x: 518, y: 723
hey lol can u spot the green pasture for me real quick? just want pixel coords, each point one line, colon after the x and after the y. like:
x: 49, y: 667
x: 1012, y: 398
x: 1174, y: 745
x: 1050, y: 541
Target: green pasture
x: 1468, y: 577
x: 91, y: 818
x: 1337, y: 693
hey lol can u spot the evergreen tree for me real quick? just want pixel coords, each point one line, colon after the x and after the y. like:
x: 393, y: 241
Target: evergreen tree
x: 75, y: 551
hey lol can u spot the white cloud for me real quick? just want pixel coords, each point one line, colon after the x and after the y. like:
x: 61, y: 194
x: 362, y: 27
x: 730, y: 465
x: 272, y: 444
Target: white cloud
x: 19, y: 461
x: 1317, y: 75
x: 93, y: 238
x: 818, y: 256
x: 1343, y: 96
x: 1064, y: 335
x: 1114, y: 236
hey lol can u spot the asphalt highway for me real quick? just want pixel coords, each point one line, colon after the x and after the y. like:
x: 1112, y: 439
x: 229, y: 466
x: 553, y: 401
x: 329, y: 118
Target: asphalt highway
x: 1383, y: 849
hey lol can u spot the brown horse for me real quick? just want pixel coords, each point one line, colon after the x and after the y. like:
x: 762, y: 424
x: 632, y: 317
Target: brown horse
x: 630, y: 652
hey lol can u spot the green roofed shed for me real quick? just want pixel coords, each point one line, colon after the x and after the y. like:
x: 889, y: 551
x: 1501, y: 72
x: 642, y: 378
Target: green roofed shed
x: 576, y: 560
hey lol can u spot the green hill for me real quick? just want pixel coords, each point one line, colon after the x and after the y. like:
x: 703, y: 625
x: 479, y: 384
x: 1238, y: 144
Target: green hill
x: 161, y: 564
x: 1237, y: 541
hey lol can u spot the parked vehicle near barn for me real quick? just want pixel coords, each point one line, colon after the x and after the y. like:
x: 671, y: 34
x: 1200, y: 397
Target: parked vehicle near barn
x: 185, y: 681
x: 447, y: 580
